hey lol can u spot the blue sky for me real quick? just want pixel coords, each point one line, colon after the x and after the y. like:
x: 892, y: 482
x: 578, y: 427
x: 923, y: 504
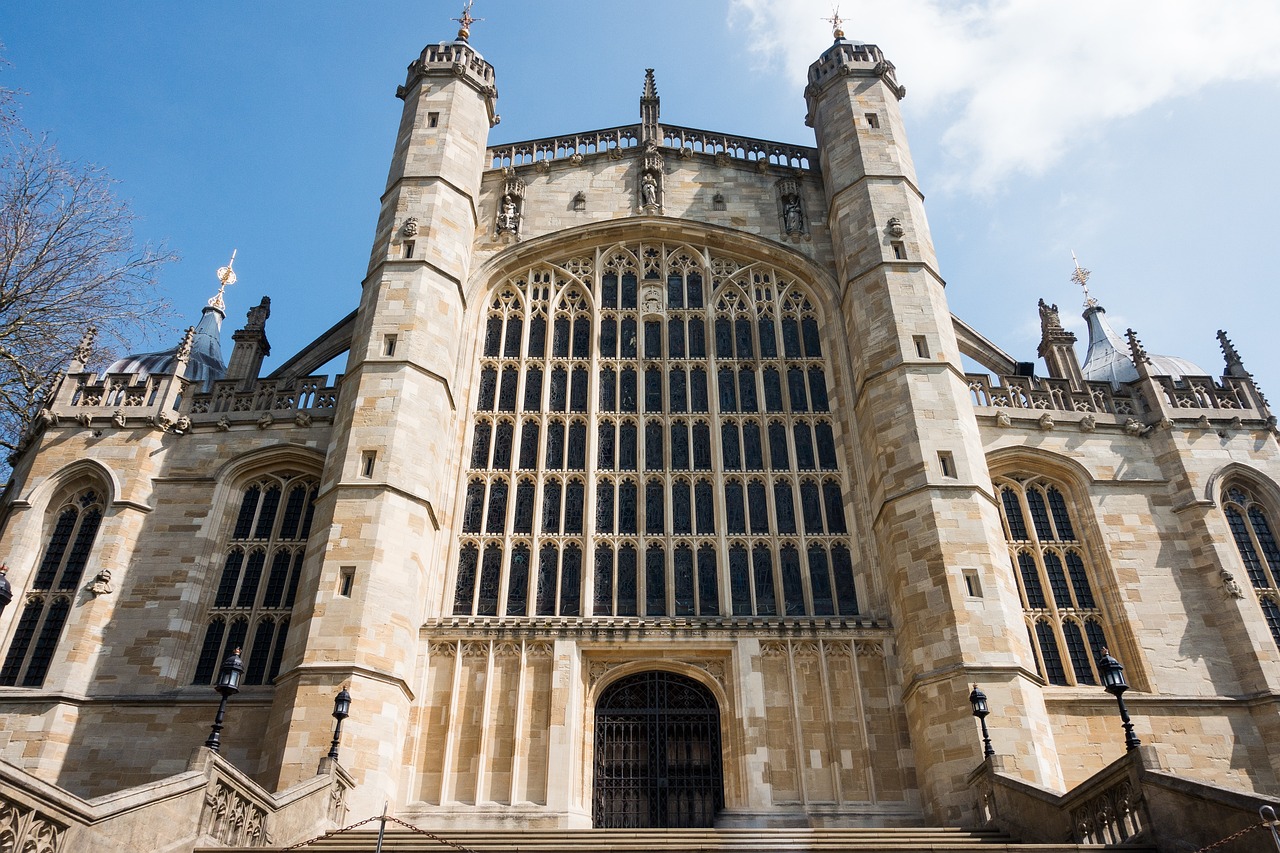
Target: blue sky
x: 1141, y: 135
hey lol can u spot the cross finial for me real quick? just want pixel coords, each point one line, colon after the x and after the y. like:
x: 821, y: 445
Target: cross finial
x: 465, y: 21
x: 1081, y: 277
x: 837, y: 29
x: 226, y: 278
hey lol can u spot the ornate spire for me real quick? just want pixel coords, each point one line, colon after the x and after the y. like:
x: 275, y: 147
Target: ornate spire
x: 1050, y: 321
x: 1235, y: 365
x: 465, y: 21
x: 1081, y: 277
x: 837, y: 24
x: 1136, y: 350
x: 650, y: 109
x: 183, y: 354
x: 84, y: 350
x: 226, y: 278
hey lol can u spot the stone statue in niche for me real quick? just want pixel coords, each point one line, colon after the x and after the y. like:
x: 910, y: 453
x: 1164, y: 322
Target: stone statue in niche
x: 648, y: 191
x: 509, y: 209
x: 791, y: 209
x: 508, y: 218
x: 792, y: 216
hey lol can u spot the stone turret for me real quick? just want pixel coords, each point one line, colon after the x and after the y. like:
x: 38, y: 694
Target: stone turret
x: 251, y: 345
x: 392, y: 464
x: 1058, y: 347
x: 909, y: 395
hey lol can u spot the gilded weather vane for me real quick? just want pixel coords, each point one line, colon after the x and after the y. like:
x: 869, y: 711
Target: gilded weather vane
x: 226, y: 278
x: 837, y: 28
x: 1081, y: 277
x: 465, y: 21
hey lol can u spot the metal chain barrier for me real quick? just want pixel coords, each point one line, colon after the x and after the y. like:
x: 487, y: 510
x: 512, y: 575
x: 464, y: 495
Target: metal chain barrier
x: 381, y: 817
x: 1268, y: 816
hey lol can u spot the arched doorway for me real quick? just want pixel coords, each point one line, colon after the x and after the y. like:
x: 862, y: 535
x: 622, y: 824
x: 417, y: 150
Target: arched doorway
x: 657, y: 758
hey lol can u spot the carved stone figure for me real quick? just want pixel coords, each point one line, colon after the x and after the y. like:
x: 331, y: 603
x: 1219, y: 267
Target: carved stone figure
x: 792, y: 216
x: 1132, y: 427
x: 649, y: 190
x: 508, y: 219
x: 1231, y: 585
x: 302, y: 419
x: 6, y: 590
x: 182, y: 424
x: 1088, y: 423
x: 410, y: 227
x: 266, y: 420
x: 118, y: 418
x: 651, y: 300
x: 101, y: 583
x: 895, y: 228
x: 223, y: 424
x: 1046, y: 422
x: 1003, y: 419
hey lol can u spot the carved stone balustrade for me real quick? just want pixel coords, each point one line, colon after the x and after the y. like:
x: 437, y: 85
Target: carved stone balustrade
x: 310, y: 396
x: 1233, y: 395
x: 563, y: 147
x: 1052, y: 395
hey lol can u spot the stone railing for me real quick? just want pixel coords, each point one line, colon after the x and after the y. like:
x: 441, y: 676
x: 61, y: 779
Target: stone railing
x: 1203, y: 392
x: 615, y: 140
x: 312, y: 396
x: 1026, y: 392
x: 116, y: 390
x: 211, y: 803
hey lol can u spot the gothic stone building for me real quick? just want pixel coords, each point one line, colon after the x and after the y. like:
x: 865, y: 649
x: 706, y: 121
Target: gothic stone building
x: 654, y: 494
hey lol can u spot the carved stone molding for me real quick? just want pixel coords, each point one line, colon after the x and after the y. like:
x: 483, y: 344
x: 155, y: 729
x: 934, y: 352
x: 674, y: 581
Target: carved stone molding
x: 28, y: 830
x: 232, y: 818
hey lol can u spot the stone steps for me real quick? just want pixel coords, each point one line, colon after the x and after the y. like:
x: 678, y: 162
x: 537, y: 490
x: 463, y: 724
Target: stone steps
x: 854, y: 840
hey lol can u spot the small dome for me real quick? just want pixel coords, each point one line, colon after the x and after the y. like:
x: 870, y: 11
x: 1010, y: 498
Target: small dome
x: 1108, y: 360
x: 204, y: 367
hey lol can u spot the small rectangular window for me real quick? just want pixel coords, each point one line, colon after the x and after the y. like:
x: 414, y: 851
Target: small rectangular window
x: 366, y: 463
x: 922, y: 345
x: 408, y: 249
x: 947, y: 463
x: 346, y: 580
x: 433, y: 119
x: 899, y: 250
x: 873, y: 120
x: 971, y: 584
x: 389, y: 345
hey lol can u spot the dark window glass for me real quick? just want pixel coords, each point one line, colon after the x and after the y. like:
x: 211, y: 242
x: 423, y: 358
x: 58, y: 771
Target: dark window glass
x: 577, y: 446
x: 627, y: 392
x: 604, y: 507
x: 488, y: 389
x: 739, y: 581
x: 820, y: 582
x: 507, y: 394
x: 768, y: 339
x: 697, y: 338
x: 782, y: 502
x: 560, y: 338
x: 1249, y: 554
x: 67, y: 520
x: 1265, y: 539
x: 701, y: 447
x: 235, y: 560
x: 1077, y: 652
x: 729, y: 446
x: 523, y: 521
x: 548, y: 569
x: 609, y: 337
x: 677, y: 390
x: 804, y: 447
x: 1013, y: 514
x: 604, y: 438
x: 778, y: 458
x: 515, y: 328
x: 266, y: 516
x: 604, y: 581
x: 653, y: 508
x: 751, y: 452
x: 734, y: 512
x: 681, y: 511
x: 842, y: 568
x: 627, y: 507
x: 834, y: 505
x: 772, y: 390
x: 704, y: 507
x: 811, y: 507
x: 1039, y: 514
x: 464, y: 588
x: 655, y: 581
x: 1098, y: 640
x: 627, y: 446
x: 497, y: 520
x: 582, y: 336
x: 653, y: 389
x: 1057, y: 580
x: 708, y: 588
x: 675, y: 337
x: 809, y: 330
x: 571, y: 581
x: 1030, y: 580
x: 629, y: 290
x: 480, y: 446
x: 502, y: 445
x: 518, y: 582
x: 537, y: 336
x: 473, y: 507
x: 627, y: 338
x: 1079, y: 581
x: 747, y: 389
x: 1049, y: 651
x: 609, y: 290
x: 555, y: 446
x: 725, y: 385
x: 790, y: 337
x: 559, y: 389
x: 724, y: 338
x: 698, y: 390
x: 551, y: 507
x: 742, y: 329
x: 683, y: 570
x: 795, y: 384
x: 1061, y: 518
x: 694, y: 288
x: 792, y: 586
x: 490, y: 569
x: 529, y: 446
x: 758, y: 506
x: 627, y: 590
x: 277, y: 580
x: 679, y: 446
x: 493, y: 336
x: 675, y: 291
x: 818, y: 389
x: 574, y: 499
x: 204, y: 668
x: 533, y: 389
x: 826, y: 446
x: 653, y: 446
x: 578, y: 396
x: 762, y: 568
x: 652, y: 339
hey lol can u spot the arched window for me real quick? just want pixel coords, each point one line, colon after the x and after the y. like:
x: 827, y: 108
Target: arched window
x: 671, y: 395
x: 1253, y: 530
x: 57, y: 579
x: 258, y: 577
x: 1052, y: 567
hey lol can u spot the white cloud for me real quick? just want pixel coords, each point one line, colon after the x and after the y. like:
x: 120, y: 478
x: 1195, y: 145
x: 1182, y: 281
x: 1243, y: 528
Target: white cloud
x: 1017, y: 83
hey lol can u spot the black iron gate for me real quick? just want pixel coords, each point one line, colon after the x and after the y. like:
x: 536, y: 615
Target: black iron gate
x: 657, y: 754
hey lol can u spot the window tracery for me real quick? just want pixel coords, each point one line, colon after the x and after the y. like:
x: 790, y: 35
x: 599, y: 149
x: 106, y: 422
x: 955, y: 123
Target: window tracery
x: 1064, y: 621
x: 690, y: 391
x: 1254, y: 534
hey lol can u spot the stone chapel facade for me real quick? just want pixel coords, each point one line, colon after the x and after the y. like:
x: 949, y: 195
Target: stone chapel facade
x: 654, y: 494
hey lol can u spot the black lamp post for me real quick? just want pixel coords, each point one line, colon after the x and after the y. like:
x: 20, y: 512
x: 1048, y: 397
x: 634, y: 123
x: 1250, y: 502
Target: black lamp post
x: 1112, y: 672
x: 228, y: 685
x: 341, y: 710
x: 978, y: 700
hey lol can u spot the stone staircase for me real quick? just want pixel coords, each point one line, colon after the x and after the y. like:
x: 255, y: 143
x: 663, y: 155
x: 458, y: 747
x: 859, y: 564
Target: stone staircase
x: 860, y: 840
